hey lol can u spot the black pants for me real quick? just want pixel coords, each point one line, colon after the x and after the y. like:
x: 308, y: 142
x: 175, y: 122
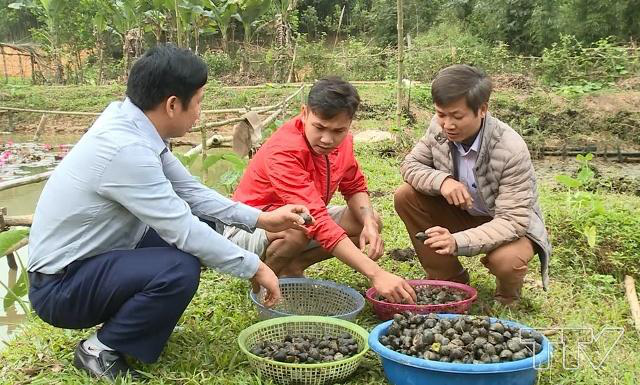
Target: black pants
x: 138, y: 295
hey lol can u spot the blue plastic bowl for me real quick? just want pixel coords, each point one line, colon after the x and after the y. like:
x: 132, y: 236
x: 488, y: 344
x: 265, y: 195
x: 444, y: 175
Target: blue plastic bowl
x: 304, y: 296
x: 401, y: 369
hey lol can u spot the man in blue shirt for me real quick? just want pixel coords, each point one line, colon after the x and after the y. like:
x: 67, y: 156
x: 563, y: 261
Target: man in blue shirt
x: 121, y: 229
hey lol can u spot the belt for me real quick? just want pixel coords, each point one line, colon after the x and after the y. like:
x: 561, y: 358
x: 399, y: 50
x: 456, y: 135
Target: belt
x: 37, y: 278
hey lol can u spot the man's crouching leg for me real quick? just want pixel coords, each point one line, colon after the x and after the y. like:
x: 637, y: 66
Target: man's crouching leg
x: 283, y: 252
x: 291, y: 252
x: 138, y: 296
x: 509, y: 264
x: 420, y: 212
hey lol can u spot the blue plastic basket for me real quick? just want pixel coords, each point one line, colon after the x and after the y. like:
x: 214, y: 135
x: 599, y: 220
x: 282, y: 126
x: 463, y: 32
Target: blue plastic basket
x: 401, y: 369
x: 304, y: 296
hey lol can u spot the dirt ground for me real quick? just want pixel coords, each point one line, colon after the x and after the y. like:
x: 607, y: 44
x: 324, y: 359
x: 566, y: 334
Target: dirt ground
x: 613, y: 102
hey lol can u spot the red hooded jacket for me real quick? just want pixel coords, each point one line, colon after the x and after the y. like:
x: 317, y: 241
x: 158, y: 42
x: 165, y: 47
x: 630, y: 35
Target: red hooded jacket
x: 287, y: 171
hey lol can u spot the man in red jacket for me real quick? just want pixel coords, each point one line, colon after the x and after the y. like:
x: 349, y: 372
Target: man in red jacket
x: 305, y: 161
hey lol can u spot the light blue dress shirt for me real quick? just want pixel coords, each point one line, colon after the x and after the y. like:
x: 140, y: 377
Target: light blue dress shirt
x: 466, y: 166
x: 120, y: 179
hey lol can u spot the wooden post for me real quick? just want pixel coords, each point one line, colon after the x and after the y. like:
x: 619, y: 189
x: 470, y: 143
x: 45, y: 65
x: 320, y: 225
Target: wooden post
x: 4, y: 64
x: 632, y: 297
x: 620, y: 155
x: 339, y: 25
x: 21, y: 69
x: 11, y: 120
x: 301, y: 96
x: 33, y: 68
x: 203, y: 136
x: 400, y: 58
x: 41, y: 126
x: 293, y: 63
x: 11, y: 261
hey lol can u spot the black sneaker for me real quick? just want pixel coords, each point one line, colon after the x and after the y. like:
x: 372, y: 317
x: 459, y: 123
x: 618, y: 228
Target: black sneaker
x: 109, y: 364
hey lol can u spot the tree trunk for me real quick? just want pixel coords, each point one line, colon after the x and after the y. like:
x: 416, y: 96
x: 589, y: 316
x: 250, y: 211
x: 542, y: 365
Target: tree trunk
x: 247, y: 34
x: 125, y: 56
x: 225, y: 41
x: 196, y: 35
x: 400, y: 64
x: 100, y: 45
x: 178, y: 34
x: 79, y: 65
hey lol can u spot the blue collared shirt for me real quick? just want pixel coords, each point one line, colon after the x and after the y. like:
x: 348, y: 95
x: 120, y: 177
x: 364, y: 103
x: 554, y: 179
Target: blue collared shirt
x: 120, y: 179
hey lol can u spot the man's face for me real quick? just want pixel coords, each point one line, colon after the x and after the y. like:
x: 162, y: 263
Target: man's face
x: 458, y: 121
x: 324, y: 135
x: 185, y: 118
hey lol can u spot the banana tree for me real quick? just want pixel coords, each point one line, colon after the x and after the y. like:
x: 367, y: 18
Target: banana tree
x: 284, y: 10
x: 197, y: 17
x: 250, y: 11
x: 222, y: 13
x: 127, y: 16
x: 158, y: 23
x: 104, y: 13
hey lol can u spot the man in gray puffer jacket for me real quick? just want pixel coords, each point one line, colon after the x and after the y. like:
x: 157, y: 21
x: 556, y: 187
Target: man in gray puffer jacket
x: 470, y: 186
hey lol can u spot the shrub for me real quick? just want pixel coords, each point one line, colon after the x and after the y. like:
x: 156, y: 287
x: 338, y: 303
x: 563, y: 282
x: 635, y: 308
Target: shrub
x: 570, y: 62
x: 219, y: 63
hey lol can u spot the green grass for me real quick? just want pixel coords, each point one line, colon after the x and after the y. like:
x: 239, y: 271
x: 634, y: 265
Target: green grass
x: 204, y: 351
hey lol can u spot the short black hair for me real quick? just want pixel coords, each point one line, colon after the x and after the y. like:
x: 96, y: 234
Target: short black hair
x: 163, y: 71
x: 332, y: 96
x: 461, y: 80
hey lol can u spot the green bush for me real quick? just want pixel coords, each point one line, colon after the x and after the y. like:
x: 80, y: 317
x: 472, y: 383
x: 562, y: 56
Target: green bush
x: 219, y: 63
x: 448, y: 44
x: 351, y: 59
x: 570, y: 62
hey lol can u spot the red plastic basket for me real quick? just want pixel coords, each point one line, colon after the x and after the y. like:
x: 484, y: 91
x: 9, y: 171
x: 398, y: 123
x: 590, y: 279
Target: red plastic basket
x: 386, y: 310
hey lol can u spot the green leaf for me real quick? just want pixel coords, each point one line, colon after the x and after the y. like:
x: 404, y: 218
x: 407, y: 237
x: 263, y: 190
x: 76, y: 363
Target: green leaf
x: 230, y: 178
x: 239, y: 164
x: 186, y: 161
x: 210, y: 160
x: 568, y: 181
x: 10, y: 238
x: 590, y: 233
x: 17, y: 291
x: 585, y: 175
x: 598, y: 207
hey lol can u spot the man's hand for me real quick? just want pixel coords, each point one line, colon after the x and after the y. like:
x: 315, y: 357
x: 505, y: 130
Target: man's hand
x: 266, y: 278
x: 441, y: 240
x: 371, y: 236
x: 456, y: 194
x: 393, y: 288
x: 284, y: 218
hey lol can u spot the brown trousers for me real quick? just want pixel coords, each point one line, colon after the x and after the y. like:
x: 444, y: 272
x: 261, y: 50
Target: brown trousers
x: 508, y: 262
